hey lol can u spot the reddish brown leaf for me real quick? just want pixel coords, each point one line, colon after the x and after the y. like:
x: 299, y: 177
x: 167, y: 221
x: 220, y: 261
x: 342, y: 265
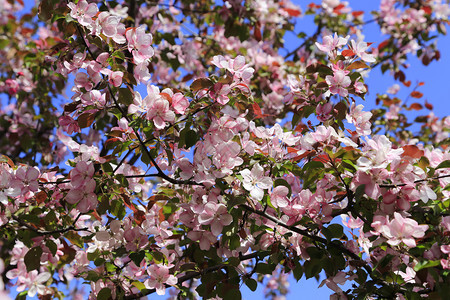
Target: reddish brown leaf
x: 86, y: 120
x: 187, y: 77
x: 416, y: 106
x: 139, y: 217
x: 348, y: 52
x: 257, y: 111
x: 399, y: 75
x: 257, y: 32
x: 437, y: 55
x: 41, y: 197
x: 383, y: 44
x: 112, y: 140
x: 427, y: 9
x: 313, y: 5
x: 428, y: 105
x: 291, y: 150
x: 357, y: 65
x: 201, y: 83
x: 161, y: 216
x: 407, y: 83
x: 71, y: 106
x: 416, y: 94
x: 292, y: 12
x: 421, y: 83
x: 357, y: 13
x: 167, y: 97
x: 412, y: 151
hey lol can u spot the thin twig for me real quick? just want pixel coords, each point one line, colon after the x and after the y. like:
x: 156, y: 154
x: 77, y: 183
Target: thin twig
x: 388, y: 186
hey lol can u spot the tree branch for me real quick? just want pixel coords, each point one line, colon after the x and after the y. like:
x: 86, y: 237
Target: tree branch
x: 192, y: 275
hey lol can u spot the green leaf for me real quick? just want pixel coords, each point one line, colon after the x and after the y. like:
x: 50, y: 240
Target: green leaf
x: 337, y: 231
x: 51, y: 246
x: 314, y: 252
x: 264, y: 268
x: 125, y: 96
x: 190, y: 138
x: 139, y: 285
x: 444, y: 164
x: 137, y: 257
x: 426, y: 264
x: 99, y: 261
x: 104, y: 294
x: 3, y: 43
x: 252, y: 284
x: 359, y: 193
x: 33, y: 259
x: 312, y: 268
x: 233, y: 294
x: 298, y: 271
x: 313, y: 165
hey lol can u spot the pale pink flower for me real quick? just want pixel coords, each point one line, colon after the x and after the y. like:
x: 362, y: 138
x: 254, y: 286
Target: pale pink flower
x: 81, y: 174
x: 393, y: 89
x: 139, y: 44
x: 83, y: 12
x: 216, y: 215
x: 85, y: 197
x: 255, y: 182
x: 179, y: 103
x: 404, y: 230
x: 68, y: 124
x: 26, y: 179
x: 360, y: 50
x: 323, y: 111
x: 159, y: 277
x: 360, y: 88
x: 278, y: 197
x: 338, y: 83
x: 36, y: 282
x: 360, y: 119
x: 160, y: 113
x: 330, y: 43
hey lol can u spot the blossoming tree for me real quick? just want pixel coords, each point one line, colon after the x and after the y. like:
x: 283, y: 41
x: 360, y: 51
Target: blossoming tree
x: 192, y: 155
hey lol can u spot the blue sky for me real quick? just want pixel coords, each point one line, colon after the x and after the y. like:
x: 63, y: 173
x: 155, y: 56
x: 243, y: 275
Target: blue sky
x: 436, y: 90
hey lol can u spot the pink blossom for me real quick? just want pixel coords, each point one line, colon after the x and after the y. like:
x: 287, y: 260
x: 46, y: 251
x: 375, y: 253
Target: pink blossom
x: 160, y: 113
x: 338, y: 83
x: 68, y: 124
x: 215, y: 215
x: 115, y: 78
x: 360, y: 119
x: 278, y: 197
x: 330, y: 43
x: 255, y: 182
x: 85, y: 197
x: 139, y: 44
x: 179, y: 103
x: 393, y: 89
x: 35, y: 283
x: 360, y: 88
x: 141, y: 72
x: 360, y: 50
x: 81, y: 174
x: 159, y: 277
x: 83, y: 12
x: 323, y: 111
x: 404, y: 230
x: 13, y: 86
x: 26, y: 179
